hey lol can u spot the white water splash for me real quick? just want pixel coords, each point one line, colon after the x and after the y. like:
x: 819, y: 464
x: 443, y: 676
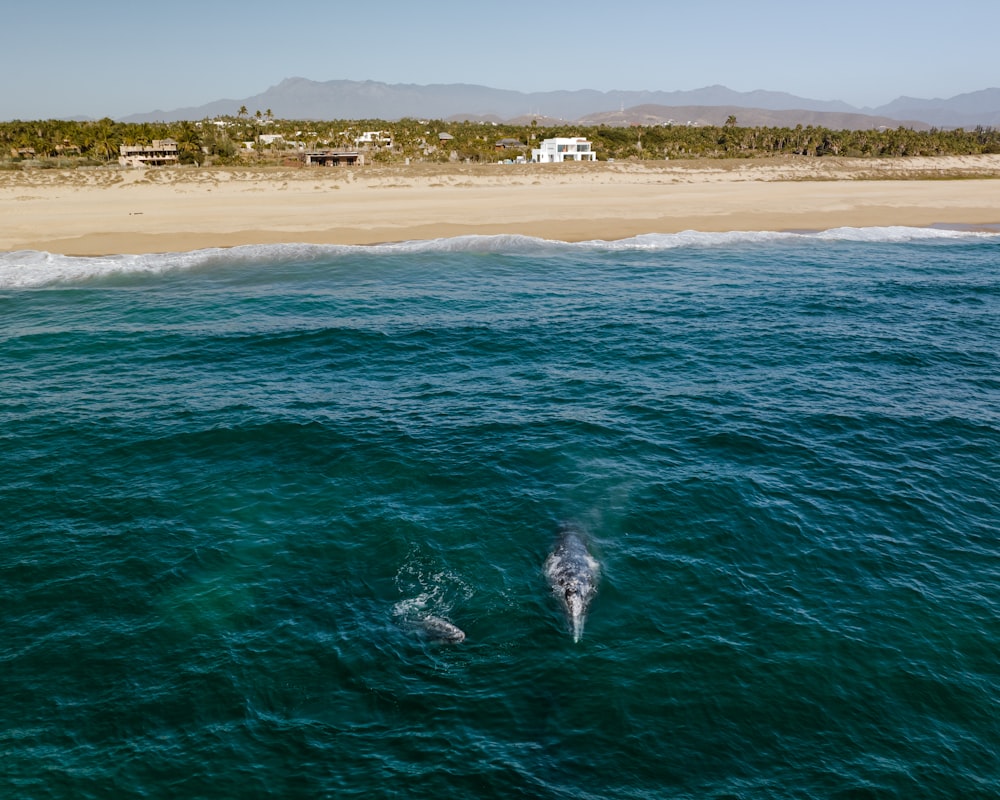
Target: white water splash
x: 27, y: 269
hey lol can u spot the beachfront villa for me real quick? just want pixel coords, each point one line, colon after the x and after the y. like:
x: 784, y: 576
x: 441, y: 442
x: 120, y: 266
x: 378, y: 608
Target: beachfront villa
x: 160, y: 153
x: 562, y: 148
x: 334, y: 157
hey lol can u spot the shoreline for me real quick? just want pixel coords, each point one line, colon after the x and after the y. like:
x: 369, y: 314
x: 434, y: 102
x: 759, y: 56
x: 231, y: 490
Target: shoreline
x: 93, y: 212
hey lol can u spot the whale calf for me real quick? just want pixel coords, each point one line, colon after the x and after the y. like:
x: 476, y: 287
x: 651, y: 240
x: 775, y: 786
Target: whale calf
x: 572, y: 574
x: 437, y: 629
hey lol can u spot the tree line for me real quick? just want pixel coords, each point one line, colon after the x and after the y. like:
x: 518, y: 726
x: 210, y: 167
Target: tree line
x: 239, y: 138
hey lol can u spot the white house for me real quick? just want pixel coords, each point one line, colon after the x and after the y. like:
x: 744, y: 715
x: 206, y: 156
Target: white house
x: 373, y: 139
x: 563, y: 149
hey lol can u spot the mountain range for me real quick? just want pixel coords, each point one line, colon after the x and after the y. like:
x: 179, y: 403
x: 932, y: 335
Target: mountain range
x: 301, y: 98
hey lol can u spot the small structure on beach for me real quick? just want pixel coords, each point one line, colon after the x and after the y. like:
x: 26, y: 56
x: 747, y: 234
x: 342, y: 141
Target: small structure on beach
x: 334, y: 157
x: 560, y: 149
x: 160, y: 153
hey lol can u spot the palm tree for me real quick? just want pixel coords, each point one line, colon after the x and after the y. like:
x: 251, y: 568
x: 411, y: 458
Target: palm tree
x: 189, y: 143
x: 105, y: 141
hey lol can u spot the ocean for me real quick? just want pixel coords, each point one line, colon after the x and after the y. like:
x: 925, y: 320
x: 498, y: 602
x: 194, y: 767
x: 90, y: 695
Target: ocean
x: 236, y: 485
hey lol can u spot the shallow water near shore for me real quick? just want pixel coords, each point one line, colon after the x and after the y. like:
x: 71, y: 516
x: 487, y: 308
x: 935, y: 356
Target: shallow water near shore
x: 232, y: 481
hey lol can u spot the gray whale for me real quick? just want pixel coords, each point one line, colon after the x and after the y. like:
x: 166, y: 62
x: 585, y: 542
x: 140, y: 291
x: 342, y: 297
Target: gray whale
x: 572, y: 573
x: 437, y: 629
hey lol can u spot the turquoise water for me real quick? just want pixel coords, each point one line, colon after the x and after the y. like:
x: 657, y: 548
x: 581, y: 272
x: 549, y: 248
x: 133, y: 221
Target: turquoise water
x: 233, y: 482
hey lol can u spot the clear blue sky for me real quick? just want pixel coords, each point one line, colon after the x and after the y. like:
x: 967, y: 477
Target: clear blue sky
x: 114, y: 58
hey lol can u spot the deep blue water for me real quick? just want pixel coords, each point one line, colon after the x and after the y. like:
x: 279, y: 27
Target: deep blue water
x: 233, y: 483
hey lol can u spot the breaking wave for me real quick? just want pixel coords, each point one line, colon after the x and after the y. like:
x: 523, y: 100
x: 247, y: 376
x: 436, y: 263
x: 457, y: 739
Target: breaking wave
x: 27, y: 269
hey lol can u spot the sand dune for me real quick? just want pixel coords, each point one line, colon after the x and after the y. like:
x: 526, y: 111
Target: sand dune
x: 100, y: 211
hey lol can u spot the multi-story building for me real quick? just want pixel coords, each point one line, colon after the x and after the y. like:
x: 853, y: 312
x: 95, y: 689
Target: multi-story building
x: 563, y: 149
x: 159, y: 153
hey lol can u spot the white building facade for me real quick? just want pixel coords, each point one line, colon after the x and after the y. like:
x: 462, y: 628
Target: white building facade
x: 373, y: 139
x: 555, y: 151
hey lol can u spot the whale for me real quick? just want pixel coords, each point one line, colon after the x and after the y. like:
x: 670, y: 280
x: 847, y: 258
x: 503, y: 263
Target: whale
x: 437, y: 629
x: 572, y: 573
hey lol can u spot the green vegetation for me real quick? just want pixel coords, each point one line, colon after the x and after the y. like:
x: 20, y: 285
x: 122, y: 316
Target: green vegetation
x: 254, y: 137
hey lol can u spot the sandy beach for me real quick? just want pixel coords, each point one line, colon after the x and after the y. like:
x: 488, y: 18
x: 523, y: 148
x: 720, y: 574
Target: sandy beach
x: 101, y: 211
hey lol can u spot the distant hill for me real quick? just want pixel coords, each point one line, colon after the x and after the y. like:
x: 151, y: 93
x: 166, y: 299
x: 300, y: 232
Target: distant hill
x: 962, y: 111
x: 300, y: 98
x: 747, y: 117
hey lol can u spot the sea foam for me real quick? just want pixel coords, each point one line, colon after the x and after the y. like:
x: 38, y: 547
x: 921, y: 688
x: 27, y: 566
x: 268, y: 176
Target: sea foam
x: 27, y: 269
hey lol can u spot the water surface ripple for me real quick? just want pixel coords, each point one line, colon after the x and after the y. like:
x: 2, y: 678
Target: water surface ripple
x: 229, y: 479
